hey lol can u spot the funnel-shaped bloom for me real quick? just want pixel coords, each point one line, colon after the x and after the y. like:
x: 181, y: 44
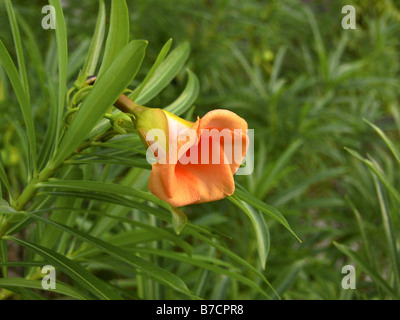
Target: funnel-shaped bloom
x: 201, y: 169
x: 194, y: 161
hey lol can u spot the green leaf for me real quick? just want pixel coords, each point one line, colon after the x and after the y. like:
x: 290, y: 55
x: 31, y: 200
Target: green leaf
x: 62, y: 49
x: 77, y: 59
x: 123, y: 240
x: 92, y: 58
x: 265, y: 208
x: 160, y: 58
x: 23, y: 101
x: 204, y: 265
x: 106, y: 188
x: 50, y: 235
x: 300, y: 188
x: 18, y: 46
x: 363, y: 231
x: 389, y: 232
x: 286, y: 277
x: 278, y: 61
x: 22, y: 264
x: 111, y: 159
x: 187, y: 97
x: 118, y: 35
x: 48, y: 144
x: 47, y: 85
x: 61, y: 288
x: 319, y: 43
x: 104, y: 93
x: 373, y: 166
x: 151, y: 270
x: 269, y: 176
x: 256, y: 82
x: 388, y: 142
x: 365, y: 266
x: 260, y: 228
x: 72, y: 269
x: 27, y: 294
x: 164, y: 74
x: 32, y: 47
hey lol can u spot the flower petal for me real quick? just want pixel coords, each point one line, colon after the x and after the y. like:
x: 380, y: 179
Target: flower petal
x: 224, y: 119
x: 173, y: 185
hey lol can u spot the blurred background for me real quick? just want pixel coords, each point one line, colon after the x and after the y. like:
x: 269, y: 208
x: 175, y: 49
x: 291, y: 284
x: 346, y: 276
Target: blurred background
x: 305, y: 85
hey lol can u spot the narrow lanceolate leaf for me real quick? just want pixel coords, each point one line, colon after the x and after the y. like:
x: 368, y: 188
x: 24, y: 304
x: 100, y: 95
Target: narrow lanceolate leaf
x: 269, y: 177
x: 362, y: 228
x: 62, y: 48
x: 265, y: 208
x: 18, y: 46
x: 389, y: 231
x: 118, y: 35
x: 23, y: 101
x: 165, y: 73
x: 35, y: 57
x: 77, y: 58
x: 105, y: 188
x: 73, y: 270
x: 260, y: 228
x: 374, y: 167
x: 151, y: 270
x: 104, y: 93
x: 204, y: 265
x: 48, y: 144
x: 353, y: 255
x: 187, y: 97
x: 13, y: 283
x: 161, y: 233
x: 388, y: 142
x: 92, y: 58
x: 160, y: 58
x: 46, y: 85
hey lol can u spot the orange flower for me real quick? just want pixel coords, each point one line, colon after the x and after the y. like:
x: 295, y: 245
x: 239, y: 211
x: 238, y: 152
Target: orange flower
x: 204, y: 167
x: 194, y: 171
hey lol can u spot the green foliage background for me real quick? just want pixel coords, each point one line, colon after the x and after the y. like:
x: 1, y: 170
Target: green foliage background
x: 323, y: 102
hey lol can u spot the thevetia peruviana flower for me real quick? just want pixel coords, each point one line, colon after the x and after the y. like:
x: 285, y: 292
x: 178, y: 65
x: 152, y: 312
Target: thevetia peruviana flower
x: 193, y: 162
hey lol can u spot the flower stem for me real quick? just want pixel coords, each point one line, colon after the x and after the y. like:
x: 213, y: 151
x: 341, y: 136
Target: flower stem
x: 126, y: 105
x: 123, y: 103
x: 31, y: 188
